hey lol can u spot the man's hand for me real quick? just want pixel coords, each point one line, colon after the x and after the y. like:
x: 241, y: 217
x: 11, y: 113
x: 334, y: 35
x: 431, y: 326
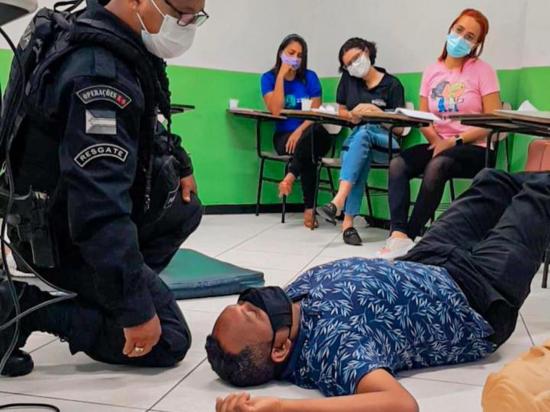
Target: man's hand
x: 242, y: 402
x: 140, y: 340
x: 441, y: 145
x: 293, y: 141
x: 363, y: 109
x: 188, y: 186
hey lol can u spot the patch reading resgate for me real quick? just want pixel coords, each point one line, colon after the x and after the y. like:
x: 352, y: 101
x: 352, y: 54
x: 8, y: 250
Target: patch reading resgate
x: 101, y: 150
x: 104, y: 93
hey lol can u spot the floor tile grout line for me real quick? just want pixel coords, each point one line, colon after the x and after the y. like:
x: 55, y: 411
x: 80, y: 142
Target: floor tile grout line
x: 527, y: 329
x: 301, y: 270
x: 246, y: 240
x: 176, y: 385
x: 52, y: 398
x: 440, y: 380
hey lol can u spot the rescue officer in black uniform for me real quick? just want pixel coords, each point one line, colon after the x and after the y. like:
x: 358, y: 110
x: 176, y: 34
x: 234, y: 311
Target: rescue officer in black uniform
x: 122, y: 191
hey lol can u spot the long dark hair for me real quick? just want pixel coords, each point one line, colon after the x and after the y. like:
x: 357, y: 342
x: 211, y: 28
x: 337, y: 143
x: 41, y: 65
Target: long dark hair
x: 301, y: 72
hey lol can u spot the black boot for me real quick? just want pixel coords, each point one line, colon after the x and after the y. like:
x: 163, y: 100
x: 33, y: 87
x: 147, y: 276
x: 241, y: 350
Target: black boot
x: 19, y: 363
x: 54, y: 319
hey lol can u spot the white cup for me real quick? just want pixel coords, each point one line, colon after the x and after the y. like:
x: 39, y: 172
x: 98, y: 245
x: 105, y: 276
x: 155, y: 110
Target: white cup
x: 306, y: 104
x: 233, y: 104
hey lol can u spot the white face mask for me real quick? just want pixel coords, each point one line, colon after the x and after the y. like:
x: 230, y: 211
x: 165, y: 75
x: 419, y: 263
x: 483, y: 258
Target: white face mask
x: 360, y: 67
x: 172, y: 40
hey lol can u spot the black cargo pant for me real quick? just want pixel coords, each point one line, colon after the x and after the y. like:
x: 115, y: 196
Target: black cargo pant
x: 492, y: 241
x: 90, y: 328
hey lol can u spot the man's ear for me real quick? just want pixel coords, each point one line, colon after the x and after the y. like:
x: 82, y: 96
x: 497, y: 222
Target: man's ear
x: 280, y: 353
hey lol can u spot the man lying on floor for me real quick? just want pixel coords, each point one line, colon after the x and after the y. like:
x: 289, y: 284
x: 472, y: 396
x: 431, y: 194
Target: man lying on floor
x: 348, y: 326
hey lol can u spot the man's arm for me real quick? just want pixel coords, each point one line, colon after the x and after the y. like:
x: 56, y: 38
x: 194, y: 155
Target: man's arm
x: 377, y: 391
x: 98, y: 160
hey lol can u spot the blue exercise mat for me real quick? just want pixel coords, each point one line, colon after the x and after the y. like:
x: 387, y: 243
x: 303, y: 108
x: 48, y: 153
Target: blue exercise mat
x: 191, y: 274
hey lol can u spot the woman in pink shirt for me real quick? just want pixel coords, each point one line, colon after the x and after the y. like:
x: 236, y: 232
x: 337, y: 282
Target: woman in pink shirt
x: 459, y: 82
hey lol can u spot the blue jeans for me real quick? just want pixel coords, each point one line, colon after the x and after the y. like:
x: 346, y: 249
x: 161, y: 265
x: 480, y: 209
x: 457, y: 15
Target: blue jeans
x: 366, y: 144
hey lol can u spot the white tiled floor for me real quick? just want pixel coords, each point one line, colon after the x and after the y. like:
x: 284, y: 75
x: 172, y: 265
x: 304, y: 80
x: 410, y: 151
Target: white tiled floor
x: 281, y: 252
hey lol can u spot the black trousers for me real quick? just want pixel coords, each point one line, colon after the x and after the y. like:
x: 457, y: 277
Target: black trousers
x: 90, y: 328
x: 492, y: 241
x: 461, y: 162
x: 305, y: 157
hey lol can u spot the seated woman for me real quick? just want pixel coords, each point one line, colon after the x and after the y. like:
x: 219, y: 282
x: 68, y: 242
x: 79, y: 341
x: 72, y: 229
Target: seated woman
x: 363, y: 88
x: 284, y: 87
x: 459, y: 82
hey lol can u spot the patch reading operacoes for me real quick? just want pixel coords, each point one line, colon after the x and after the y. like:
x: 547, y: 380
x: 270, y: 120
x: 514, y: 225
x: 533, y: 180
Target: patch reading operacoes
x: 104, y: 93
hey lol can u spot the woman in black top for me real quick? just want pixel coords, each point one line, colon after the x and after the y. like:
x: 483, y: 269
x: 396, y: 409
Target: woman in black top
x: 363, y: 88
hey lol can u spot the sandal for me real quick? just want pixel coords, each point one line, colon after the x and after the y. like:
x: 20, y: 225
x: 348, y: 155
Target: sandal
x: 310, y: 220
x: 351, y: 237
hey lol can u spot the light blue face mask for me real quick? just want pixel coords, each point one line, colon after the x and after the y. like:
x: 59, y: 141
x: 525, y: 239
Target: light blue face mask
x: 457, y: 46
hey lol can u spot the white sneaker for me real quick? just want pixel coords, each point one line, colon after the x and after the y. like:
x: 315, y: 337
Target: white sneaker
x: 395, y: 248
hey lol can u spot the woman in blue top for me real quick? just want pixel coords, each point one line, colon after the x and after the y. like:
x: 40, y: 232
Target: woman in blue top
x: 284, y: 87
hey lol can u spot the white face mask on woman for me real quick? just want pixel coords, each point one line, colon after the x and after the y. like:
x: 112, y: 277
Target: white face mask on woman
x: 360, y: 67
x: 172, y: 40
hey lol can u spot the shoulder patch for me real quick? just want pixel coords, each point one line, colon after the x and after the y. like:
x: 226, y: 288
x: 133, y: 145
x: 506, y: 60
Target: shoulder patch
x: 101, y: 122
x: 104, y: 93
x: 97, y: 151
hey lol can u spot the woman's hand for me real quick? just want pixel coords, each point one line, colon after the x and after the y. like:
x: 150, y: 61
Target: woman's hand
x: 441, y: 145
x: 365, y: 108
x: 293, y: 141
x: 285, y: 69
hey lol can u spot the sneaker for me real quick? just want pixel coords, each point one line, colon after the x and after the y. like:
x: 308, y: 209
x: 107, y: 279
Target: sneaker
x: 19, y: 363
x: 395, y: 248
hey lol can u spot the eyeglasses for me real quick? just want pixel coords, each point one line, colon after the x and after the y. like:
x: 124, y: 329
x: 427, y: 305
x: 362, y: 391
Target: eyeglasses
x: 460, y: 31
x: 185, y: 19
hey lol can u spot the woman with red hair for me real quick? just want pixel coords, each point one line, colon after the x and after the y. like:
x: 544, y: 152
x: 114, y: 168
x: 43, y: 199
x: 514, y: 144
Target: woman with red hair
x: 459, y: 82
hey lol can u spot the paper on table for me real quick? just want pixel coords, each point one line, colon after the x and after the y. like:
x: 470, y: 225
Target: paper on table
x: 527, y: 109
x: 527, y: 106
x: 416, y: 114
x: 326, y: 108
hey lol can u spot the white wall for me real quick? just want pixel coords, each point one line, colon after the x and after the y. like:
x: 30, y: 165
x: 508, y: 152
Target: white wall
x: 536, y: 46
x: 243, y: 35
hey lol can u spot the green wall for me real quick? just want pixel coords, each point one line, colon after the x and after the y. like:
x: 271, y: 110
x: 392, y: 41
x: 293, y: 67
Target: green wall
x: 223, y: 147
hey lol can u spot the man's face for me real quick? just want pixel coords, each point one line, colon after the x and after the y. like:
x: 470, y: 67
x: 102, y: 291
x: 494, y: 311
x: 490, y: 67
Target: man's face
x: 175, y: 8
x: 242, y: 325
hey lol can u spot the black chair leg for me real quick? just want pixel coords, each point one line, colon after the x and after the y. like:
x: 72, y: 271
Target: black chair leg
x: 369, y: 201
x: 283, y: 212
x: 319, y: 169
x: 545, y: 271
x: 331, y: 182
x: 260, y: 184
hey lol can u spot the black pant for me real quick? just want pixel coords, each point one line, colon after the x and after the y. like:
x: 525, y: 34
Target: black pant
x: 461, y: 162
x: 492, y: 241
x: 314, y: 144
x: 88, y: 327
